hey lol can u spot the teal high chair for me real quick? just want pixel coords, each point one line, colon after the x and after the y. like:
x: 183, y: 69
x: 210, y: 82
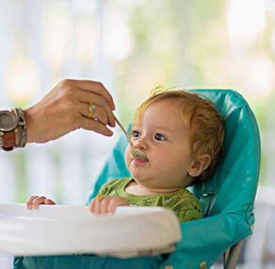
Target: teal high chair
x: 227, y: 198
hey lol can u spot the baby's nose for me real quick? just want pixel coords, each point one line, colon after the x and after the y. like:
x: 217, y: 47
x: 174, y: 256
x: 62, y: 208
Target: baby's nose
x: 140, y: 143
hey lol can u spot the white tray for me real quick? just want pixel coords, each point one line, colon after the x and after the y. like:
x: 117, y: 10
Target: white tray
x: 54, y: 230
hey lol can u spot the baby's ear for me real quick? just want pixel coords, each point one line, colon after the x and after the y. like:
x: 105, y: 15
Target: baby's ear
x: 199, y: 165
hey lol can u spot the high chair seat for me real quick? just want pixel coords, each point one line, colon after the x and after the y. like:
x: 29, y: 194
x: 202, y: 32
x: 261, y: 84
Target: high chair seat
x: 228, y: 198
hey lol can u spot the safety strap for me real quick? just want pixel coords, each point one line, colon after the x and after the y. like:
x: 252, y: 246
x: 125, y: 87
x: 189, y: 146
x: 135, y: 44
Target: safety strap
x: 207, y: 201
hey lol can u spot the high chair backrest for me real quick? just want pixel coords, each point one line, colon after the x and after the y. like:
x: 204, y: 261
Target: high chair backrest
x: 234, y: 182
x: 227, y: 197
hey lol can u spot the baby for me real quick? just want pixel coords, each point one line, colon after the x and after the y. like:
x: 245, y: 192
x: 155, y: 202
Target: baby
x: 181, y: 135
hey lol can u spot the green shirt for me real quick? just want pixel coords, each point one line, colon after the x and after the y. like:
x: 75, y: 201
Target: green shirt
x: 182, y: 202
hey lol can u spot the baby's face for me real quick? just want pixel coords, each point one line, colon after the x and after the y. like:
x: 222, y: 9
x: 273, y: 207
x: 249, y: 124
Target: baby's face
x: 164, y: 138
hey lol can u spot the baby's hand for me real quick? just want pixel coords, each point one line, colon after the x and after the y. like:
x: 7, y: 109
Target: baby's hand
x: 35, y: 201
x: 108, y: 204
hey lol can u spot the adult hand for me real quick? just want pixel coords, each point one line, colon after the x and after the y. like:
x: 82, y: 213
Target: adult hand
x: 66, y: 108
x: 107, y: 204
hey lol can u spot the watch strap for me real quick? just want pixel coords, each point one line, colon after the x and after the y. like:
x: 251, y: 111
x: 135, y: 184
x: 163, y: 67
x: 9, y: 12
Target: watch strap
x: 1, y: 139
x: 9, y: 140
x: 22, y: 128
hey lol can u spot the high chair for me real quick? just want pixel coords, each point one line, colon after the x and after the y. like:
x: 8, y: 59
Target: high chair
x: 227, y: 197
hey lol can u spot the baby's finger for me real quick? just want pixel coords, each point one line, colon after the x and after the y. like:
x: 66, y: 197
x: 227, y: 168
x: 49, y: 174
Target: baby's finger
x: 95, y: 206
x: 49, y: 202
x: 115, y: 202
x: 30, y: 201
x: 112, y: 206
x: 38, y: 201
x: 104, y: 205
x: 92, y: 206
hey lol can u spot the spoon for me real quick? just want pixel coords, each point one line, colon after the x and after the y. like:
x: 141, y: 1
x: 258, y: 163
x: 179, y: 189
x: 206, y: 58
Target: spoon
x: 138, y: 154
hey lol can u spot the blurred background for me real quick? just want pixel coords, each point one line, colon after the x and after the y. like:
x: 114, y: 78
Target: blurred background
x: 132, y: 46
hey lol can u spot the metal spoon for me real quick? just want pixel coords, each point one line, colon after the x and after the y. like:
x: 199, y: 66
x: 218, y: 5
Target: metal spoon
x: 138, y: 154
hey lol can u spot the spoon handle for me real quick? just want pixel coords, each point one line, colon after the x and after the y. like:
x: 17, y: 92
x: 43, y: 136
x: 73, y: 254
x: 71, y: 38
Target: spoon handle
x: 125, y: 132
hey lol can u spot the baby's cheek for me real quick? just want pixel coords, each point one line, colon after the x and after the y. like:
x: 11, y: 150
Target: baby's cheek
x: 127, y: 156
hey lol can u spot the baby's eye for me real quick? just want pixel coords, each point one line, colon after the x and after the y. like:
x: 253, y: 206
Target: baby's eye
x: 135, y: 134
x: 160, y: 137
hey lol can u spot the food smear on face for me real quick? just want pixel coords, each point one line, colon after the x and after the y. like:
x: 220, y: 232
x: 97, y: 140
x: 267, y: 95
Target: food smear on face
x: 138, y: 154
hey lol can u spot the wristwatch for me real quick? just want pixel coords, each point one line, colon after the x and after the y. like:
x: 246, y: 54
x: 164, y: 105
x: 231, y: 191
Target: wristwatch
x: 13, y: 131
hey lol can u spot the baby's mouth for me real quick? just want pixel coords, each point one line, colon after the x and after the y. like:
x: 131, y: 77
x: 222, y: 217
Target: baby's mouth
x: 140, y: 161
x: 140, y: 157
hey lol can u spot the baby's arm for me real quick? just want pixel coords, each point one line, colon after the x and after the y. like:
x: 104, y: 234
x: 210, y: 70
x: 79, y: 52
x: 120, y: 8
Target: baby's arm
x: 107, y: 204
x: 34, y: 202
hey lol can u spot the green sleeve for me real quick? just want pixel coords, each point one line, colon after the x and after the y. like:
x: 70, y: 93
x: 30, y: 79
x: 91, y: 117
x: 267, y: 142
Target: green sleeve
x: 112, y: 187
x: 106, y: 189
x: 188, y: 209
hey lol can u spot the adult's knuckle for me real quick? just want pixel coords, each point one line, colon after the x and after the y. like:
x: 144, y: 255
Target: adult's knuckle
x: 102, y: 102
x: 99, y: 84
x: 66, y: 92
x: 66, y: 82
x: 65, y: 89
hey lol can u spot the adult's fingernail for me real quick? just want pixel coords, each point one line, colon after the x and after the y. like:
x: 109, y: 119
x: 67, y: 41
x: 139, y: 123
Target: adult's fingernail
x: 109, y: 133
x: 112, y: 124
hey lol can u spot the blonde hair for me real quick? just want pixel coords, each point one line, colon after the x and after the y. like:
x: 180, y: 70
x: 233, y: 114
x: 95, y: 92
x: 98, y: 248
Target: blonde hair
x: 206, y: 125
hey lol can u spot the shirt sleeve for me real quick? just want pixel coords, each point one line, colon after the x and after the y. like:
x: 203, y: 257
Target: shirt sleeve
x: 187, y: 209
x: 112, y: 187
x: 107, y: 188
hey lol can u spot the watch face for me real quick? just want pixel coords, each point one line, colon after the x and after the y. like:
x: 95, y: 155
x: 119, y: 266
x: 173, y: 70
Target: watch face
x: 8, y: 121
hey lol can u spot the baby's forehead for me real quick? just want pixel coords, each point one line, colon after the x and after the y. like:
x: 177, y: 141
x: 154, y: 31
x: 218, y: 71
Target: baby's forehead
x: 174, y: 104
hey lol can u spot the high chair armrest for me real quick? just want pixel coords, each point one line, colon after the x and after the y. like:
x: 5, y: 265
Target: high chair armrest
x: 199, y: 246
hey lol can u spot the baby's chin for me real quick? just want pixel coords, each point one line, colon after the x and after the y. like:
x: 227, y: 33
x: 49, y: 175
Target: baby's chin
x: 138, y: 177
